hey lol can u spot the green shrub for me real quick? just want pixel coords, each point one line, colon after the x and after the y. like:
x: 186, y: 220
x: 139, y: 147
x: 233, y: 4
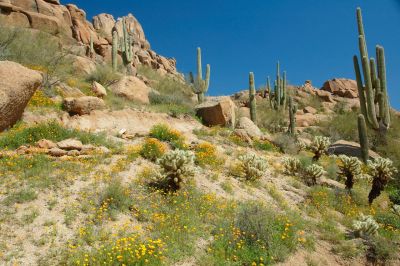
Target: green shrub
x: 20, y: 134
x: 165, y: 133
x: 286, y: 143
x: 115, y: 197
x: 259, y: 236
x: 152, y: 149
x: 103, y: 74
x: 45, y: 55
x: 22, y: 196
x: 263, y: 145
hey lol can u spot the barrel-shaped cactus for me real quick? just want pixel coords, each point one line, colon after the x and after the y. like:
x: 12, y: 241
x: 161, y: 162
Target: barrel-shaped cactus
x: 200, y: 85
x: 371, y: 82
x: 252, y: 98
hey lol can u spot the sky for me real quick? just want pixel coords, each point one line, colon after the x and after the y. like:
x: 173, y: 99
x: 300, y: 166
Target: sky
x: 313, y: 39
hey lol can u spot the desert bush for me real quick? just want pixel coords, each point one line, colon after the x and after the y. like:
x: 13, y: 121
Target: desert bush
x: 312, y: 173
x: 152, y: 149
x: 175, y: 165
x: 381, y: 170
x: 253, y: 166
x: 206, y: 154
x: 46, y: 55
x: 103, y: 74
x: 21, y: 134
x: 273, y: 120
x: 258, y: 226
x: 286, y: 143
x: 319, y: 146
x: 350, y: 169
x: 165, y: 133
x: 263, y: 145
x: 396, y: 209
x: 115, y: 198
x: 291, y: 165
x: 365, y: 226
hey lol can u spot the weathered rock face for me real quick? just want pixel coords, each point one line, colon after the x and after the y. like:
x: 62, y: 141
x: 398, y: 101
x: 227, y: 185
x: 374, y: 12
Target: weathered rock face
x: 346, y: 88
x: 70, y: 22
x: 246, y: 125
x: 220, y: 112
x: 349, y: 148
x: 131, y: 88
x: 83, y: 105
x: 98, y: 89
x: 17, y: 85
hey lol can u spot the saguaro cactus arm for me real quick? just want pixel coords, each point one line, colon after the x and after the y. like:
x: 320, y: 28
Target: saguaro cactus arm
x: 252, y: 95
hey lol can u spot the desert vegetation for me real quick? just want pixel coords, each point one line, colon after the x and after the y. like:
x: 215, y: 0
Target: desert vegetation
x: 158, y: 173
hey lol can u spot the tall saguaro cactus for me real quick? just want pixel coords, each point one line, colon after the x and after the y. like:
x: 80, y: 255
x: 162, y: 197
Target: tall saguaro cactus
x: 126, y: 48
x: 115, y: 50
x: 362, y: 133
x: 278, y: 100
x: 200, y: 85
x: 252, y: 95
x: 374, y: 102
x: 292, y: 117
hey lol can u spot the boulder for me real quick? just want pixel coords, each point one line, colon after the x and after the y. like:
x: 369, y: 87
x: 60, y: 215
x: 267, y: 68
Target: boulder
x: 217, y: 112
x: 98, y: 89
x: 131, y: 88
x: 104, y: 23
x: 46, y: 144
x: 310, y: 110
x: 244, y: 112
x: 57, y: 152
x: 246, y: 125
x: 82, y: 64
x: 67, y: 91
x: 83, y: 105
x: 17, y: 86
x: 70, y: 144
x: 325, y: 96
x: 346, y: 88
x: 349, y: 148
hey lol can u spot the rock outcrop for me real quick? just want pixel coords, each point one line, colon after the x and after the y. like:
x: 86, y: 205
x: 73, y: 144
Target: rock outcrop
x: 131, y: 88
x: 69, y: 23
x: 346, y: 88
x: 217, y: 112
x: 17, y: 85
x: 83, y: 105
x: 349, y: 148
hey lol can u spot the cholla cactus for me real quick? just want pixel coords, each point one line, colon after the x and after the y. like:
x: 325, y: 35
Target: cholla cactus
x: 176, y: 165
x: 319, y: 146
x: 291, y: 165
x: 253, y: 166
x: 365, y: 226
x: 301, y: 145
x: 349, y: 169
x: 312, y: 173
x: 381, y: 171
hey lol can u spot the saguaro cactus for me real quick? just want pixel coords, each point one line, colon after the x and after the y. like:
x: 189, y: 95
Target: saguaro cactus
x: 292, y: 117
x: 279, y: 98
x: 362, y: 133
x: 126, y: 48
x: 374, y: 102
x: 268, y: 89
x: 115, y: 50
x: 252, y: 96
x: 200, y: 85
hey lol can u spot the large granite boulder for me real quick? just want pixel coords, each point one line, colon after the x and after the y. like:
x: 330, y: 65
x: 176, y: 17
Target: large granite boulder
x: 217, y: 112
x: 346, y: 88
x: 349, y: 148
x: 17, y: 86
x: 83, y: 105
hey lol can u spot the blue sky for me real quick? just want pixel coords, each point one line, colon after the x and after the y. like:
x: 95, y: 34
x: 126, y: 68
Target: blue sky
x: 313, y: 39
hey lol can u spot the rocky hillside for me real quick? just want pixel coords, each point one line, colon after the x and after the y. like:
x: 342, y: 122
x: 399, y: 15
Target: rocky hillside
x: 108, y: 156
